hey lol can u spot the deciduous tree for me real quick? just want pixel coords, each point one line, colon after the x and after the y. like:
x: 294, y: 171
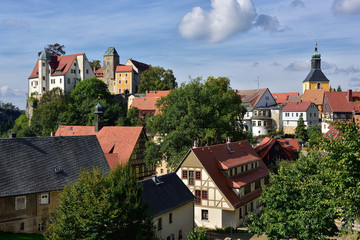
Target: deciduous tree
x: 102, y: 207
x: 300, y: 130
x: 54, y: 49
x: 206, y: 112
x: 157, y: 78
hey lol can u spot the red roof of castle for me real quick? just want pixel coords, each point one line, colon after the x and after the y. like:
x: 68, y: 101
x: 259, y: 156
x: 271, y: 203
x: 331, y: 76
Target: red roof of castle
x: 123, y: 68
x: 224, y: 156
x: 59, y: 65
x: 284, y: 97
x: 116, y: 142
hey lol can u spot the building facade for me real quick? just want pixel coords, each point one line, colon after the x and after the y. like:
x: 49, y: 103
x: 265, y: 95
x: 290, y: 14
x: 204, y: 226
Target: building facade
x: 58, y: 71
x: 227, y: 180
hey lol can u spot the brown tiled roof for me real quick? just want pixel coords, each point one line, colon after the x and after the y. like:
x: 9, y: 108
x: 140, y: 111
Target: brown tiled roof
x: 100, y: 71
x: 113, y: 140
x: 284, y: 97
x: 315, y: 96
x: 223, y: 156
x: 263, y: 148
x: 251, y: 96
x: 148, y: 102
x: 123, y: 68
x: 297, y: 106
x: 339, y: 103
x: 157, y: 93
x: 290, y: 145
x: 59, y: 65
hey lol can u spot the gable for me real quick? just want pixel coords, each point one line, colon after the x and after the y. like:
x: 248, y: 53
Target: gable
x: 265, y: 100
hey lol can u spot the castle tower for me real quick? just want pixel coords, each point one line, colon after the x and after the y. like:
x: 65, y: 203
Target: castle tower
x: 99, y: 116
x: 316, y: 79
x: 44, y: 71
x: 111, y: 60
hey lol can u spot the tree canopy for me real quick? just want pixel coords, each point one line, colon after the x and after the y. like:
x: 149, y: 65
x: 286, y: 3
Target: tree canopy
x: 307, y: 196
x: 95, y: 63
x: 102, y: 207
x: 54, y: 49
x: 203, y: 111
x: 300, y: 130
x: 8, y: 114
x: 157, y: 78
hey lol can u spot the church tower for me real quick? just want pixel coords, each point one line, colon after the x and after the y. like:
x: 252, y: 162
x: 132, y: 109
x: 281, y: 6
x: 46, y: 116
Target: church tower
x: 44, y: 71
x: 111, y: 60
x: 316, y: 79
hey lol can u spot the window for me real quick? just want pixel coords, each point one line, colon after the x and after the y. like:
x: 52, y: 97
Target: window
x: 297, y: 114
x: 191, y: 178
x: 75, y: 64
x: 161, y: 171
x: 254, y: 123
x: 180, y: 235
x: 266, y: 97
x: 204, y: 214
x: 22, y: 226
x: 246, y: 209
x: 87, y: 71
x: 292, y: 114
x: 119, y: 90
x: 20, y: 203
x: 240, y: 213
x: 41, y: 227
x: 255, y: 113
x: 301, y: 114
x: 310, y: 114
x: 264, y: 123
x: 185, y: 174
x: 259, y: 123
x: 43, y: 78
x: 266, y: 180
x: 170, y: 217
x: 159, y: 225
x: 198, y: 175
x: 126, y: 81
x: 247, y: 189
x: 198, y: 197
x: 52, y: 81
x: 204, y: 194
x: 257, y: 184
x: 79, y: 70
x: 251, y: 206
x: 60, y: 80
x: 68, y: 80
x: 44, y: 198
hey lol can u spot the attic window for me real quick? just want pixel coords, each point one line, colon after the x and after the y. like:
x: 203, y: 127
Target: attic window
x: 58, y: 170
x: 228, y: 147
x: 156, y: 180
x: 287, y: 143
x: 287, y: 97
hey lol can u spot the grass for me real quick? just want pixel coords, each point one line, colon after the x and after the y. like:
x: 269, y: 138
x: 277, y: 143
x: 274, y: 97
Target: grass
x: 20, y: 236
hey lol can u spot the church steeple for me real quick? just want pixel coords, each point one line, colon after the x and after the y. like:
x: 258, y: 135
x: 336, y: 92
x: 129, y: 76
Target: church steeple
x: 316, y: 60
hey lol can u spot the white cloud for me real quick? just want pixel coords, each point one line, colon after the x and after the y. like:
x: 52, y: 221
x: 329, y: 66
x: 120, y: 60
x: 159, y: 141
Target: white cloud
x: 346, y: 7
x: 227, y: 17
x: 354, y: 82
x: 333, y: 69
x: 6, y: 91
x: 298, y: 66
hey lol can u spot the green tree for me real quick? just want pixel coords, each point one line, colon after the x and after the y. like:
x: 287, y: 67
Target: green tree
x: 102, y: 207
x: 157, y: 78
x: 46, y: 115
x: 307, y: 196
x: 206, y: 112
x: 300, y: 130
x: 22, y: 127
x: 95, y: 63
x: 339, y: 89
x: 132, y: 118
x: 83, y: 99
x: 197, y: 234
x: 8, y: 114
x: 315, y: 135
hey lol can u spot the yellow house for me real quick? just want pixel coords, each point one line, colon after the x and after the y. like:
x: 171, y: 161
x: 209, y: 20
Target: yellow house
x: 316, y: 79
x: 227, y: 181
x: 124, y: 81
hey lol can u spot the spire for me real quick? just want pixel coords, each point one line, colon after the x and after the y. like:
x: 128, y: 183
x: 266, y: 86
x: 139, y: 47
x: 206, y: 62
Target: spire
x: 44, y: 55
x: 316, y: 59
x: 99, y: 116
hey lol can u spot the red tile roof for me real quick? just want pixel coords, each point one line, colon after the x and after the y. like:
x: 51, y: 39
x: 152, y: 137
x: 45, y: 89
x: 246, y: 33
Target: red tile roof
x: 148, y: 103
x: 117, y: 143
x: 157, y: 93
x: 297, y: 106
x: 315, y: 96
x: 100, y: 71
x: 284, y: 97
x: 218, y: 157
x: 339, y: 103
x: 59, y: 65
x: 123, y: 68
x: 251, y: 96
x: 289, y: 145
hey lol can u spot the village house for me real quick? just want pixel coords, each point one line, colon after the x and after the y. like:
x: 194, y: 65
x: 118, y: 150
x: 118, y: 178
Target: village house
x: 227, y: 180
x: 262, y: 113
x: 294, y: 110
x: 284, y: 97
x: 146, y: 105
x: 35, y: 170
x: 171, y: 205
x: 273, y: 150
x: 339, y: 106
x: 121, y: 145
x: 58, y: 71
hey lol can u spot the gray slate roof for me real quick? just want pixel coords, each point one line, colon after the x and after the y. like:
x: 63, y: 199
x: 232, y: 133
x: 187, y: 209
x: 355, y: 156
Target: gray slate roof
x: 43, y: 164
x: 171, y: 193
x: 316, y: 75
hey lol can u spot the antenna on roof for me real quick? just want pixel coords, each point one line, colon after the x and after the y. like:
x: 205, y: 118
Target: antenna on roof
x: 258, y: 82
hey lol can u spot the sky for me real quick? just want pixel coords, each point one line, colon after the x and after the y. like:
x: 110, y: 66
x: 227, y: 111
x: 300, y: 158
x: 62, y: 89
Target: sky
x: 258, y: 43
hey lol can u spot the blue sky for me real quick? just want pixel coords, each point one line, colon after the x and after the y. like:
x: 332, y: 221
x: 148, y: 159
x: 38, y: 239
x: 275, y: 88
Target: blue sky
x: 269, y: 40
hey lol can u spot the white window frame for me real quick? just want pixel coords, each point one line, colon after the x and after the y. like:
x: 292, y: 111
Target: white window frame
x: 20, y: 206
x: 44, y: 198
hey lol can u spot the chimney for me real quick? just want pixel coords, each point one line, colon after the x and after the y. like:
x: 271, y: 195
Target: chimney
x: 12, y: 135
x: 228, y: 140
x: 52, y: 134
x: 349, y: 95
x: 195, y: 144
x: 94, y: 69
